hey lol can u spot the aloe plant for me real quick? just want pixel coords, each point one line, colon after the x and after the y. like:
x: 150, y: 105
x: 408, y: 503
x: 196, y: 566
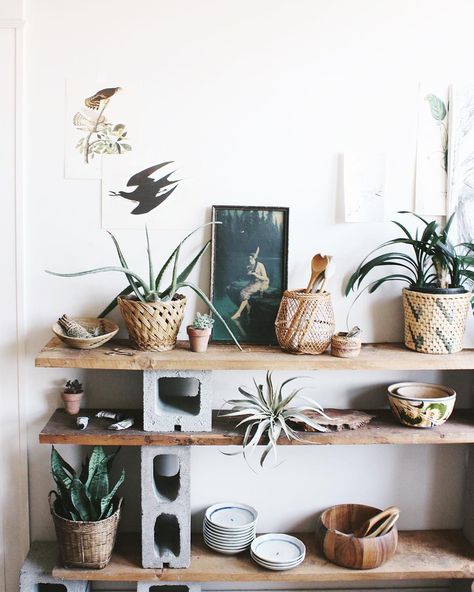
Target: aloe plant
x: 86, y: 497
x: 149, y: 290
x: 268, y: 413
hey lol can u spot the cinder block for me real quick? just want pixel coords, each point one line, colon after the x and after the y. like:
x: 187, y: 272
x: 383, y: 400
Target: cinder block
x: 166, y: 506
x: 177, y: 400
x: 168, y: 587
x: 35, y: 574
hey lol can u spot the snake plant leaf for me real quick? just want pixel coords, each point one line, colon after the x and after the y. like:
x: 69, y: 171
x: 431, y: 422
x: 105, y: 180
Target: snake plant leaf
x: 113, y: 304
x: 62, y: 472
x: 98, y: 479
x: 205, y: 299
x: 134, y: 286
x: 183, y: 276
x: 123, y: 270
x: 80, y: 500
x: 106, y: 502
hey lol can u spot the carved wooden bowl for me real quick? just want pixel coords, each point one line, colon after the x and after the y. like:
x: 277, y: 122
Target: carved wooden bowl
x: 334, y: 532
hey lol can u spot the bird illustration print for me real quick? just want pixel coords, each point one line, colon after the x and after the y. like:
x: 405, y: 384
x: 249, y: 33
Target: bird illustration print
x: 148, y: 192
x: 96, y: 99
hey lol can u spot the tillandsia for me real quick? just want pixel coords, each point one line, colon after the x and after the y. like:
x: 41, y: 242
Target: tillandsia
x: 269, y: 413
x: 202, y: 321
x: 87, y: 496
x: 149, y: 290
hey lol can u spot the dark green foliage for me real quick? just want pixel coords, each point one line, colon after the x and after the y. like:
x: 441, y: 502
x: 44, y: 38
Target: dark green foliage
x: 73, y: 386
x: 88, y: 496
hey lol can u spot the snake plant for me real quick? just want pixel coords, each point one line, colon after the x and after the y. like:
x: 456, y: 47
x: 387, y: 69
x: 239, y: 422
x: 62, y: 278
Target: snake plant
x: 268, y: 413
x: 149, y: 290
x: 88, y: 496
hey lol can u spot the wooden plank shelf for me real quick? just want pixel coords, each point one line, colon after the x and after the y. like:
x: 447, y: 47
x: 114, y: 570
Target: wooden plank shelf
x: 421, y: 555
x: 384, y: 429
x: 377, y: 356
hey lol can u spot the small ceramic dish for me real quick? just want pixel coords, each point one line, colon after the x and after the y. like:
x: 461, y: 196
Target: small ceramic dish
x: 421, y: 404
x: 109, y: 330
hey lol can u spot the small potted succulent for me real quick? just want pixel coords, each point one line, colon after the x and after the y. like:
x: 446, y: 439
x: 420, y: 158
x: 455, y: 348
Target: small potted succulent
x: 199, y: 332
x: 438, y: 275
x: 72, y: 395
x: 85, y: 509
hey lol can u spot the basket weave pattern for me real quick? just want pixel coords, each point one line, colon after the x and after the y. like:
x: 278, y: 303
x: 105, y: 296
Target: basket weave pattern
x: 305, y: 322
x: 345, y: 347
x: 153, y: 325
x: 435, y: 323
x: 85, y: 544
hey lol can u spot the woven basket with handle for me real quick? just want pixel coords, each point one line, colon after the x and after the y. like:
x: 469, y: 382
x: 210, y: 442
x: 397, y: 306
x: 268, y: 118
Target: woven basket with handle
x: 305, y: 322
x: 85, y: 544
x: 435, y: 323
x: 153, y: 325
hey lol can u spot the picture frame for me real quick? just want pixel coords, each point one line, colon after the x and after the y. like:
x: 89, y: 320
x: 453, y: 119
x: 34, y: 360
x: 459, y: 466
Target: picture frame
x: 249, y: 270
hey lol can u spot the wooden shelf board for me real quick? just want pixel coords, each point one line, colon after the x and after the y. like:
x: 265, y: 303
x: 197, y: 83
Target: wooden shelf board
x: 384, y: 429
x: 379, y: 356
x: 421, y: 555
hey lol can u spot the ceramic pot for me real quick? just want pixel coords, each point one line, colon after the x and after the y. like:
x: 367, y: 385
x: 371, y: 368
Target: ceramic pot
x: 72, y: 402
x: 198, y: 339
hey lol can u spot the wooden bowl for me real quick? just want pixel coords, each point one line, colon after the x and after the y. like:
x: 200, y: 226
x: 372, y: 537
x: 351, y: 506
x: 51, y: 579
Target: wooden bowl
x: 110, y: 329
x: 334, y: 532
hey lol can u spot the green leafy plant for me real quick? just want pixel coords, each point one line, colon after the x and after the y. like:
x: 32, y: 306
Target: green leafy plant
x: 73, y: 387
x: 88, y: 496
x: 431, y: 261
x: 149, y: 290
x: 269, y: 413
x: 202, y: 321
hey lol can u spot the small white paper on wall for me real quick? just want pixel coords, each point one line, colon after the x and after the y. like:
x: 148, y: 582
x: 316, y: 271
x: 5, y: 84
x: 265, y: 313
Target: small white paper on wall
x: 364, y: 186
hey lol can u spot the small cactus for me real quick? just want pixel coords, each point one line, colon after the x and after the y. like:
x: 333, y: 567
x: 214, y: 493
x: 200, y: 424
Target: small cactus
x: 202, y: 321
x: 73, y: 387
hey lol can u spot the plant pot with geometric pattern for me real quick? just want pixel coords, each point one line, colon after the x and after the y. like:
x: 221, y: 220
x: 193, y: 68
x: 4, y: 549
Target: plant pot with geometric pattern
x: 435, y: 322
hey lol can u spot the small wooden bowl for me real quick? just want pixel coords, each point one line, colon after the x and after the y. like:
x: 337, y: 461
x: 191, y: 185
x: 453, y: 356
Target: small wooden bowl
x: 110, y: 329
x: 334, y: 532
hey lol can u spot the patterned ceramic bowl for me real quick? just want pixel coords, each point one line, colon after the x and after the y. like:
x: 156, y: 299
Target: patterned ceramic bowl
x: 420, y: 404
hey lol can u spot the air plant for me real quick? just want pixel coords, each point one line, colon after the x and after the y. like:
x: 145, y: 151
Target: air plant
x: 268, y: 413
x: 149, y: 290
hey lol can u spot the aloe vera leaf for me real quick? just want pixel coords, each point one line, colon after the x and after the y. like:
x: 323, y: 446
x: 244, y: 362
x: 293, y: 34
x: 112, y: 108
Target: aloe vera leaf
x: 123, y: 263
x: 205, y: 299
x: 175, y: 273
x: 150, y: 261
x: 183, y: 276
x: 104, y: 269
x: 114, y: 302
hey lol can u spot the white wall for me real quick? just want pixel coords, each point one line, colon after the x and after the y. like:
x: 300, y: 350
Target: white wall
x: 257, y: 101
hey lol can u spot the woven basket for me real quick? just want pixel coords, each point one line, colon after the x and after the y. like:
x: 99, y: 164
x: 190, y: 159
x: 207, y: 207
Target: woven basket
x: 345, y: 347
x: 305, y: 322
x: 435, y: 323
x: 85, y: 544
x: 153, y: 325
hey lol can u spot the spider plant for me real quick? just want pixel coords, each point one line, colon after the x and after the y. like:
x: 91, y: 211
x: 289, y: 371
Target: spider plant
x: 150, y: 289
x: 268, y: 413
x: 432, y: 261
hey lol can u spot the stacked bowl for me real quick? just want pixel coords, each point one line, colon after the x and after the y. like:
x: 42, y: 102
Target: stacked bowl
x: 278, y: 552
x: 229, y: 527
x: 421, y: 404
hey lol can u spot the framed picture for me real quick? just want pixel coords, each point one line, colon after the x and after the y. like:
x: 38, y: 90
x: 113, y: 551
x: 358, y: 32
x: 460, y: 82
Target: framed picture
x: 249, y: 270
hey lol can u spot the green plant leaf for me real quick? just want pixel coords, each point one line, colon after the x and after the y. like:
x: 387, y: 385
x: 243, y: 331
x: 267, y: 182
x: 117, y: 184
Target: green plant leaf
x: 437, y: 107
x: 151, y: 275
x: 80, y: 500
x: 135, y: 287
x: 205, y: 299
x: 62, y: 472
x: 123, y: 270
x: 107, y: 500
x: 114, y: 302
x: 183, y: 276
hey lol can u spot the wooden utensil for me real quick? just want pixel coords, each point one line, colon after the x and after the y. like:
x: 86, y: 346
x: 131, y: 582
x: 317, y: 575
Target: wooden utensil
x: 318, y: 265
x: 385, y: 526
x: 373, y: 523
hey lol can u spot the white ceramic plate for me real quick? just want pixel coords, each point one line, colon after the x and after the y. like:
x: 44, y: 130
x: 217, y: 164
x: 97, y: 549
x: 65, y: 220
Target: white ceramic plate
x: 226, y: 550
x: 229, y: 532
x: 227, y: 545
x: 231, y: 515
x: 288, y: 565
x: 229, y: 540
x: 278, y: 548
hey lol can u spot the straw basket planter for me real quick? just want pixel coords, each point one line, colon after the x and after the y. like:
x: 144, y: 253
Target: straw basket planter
x: 153, y: 325
x: 305, y: 322
x: 85, y: 544
x: 435, y: 323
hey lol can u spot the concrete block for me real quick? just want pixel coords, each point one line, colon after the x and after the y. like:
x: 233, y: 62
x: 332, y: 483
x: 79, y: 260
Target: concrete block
x: 166, y: 506
x: 35, y: 574
x: 177, y: 400
x: 168, y: 587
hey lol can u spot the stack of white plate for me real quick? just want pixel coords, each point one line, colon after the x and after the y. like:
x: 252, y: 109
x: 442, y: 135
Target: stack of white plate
x: 230, y: 527
x: 278, y: 551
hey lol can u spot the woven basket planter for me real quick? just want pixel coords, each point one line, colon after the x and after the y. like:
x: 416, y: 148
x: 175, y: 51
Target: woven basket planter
x: 85, y: 544
x: 305, y: 322
x: 153, y: 325
x: 435, y: 323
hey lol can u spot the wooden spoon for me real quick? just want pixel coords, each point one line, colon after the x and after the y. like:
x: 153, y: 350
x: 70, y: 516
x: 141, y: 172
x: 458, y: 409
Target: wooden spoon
x: 372, y: 523
x: 318, y: 265
x: 385, y: 526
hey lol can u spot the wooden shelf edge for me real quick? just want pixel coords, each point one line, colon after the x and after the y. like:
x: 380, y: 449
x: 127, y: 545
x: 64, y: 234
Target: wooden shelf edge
x: 421, y: 555
x: 384, y: 429
x: 375, y: 356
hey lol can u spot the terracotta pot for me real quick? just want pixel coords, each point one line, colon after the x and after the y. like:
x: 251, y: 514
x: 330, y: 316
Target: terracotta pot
x: 72, y: 402
x: 198, y: 339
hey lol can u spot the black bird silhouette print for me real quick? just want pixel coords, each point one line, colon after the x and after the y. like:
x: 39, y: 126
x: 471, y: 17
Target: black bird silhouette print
x: 148, y: 192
